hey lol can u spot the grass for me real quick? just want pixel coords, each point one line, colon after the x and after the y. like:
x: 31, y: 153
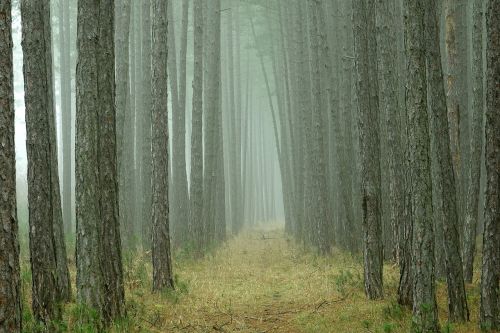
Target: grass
x: 262, y: 282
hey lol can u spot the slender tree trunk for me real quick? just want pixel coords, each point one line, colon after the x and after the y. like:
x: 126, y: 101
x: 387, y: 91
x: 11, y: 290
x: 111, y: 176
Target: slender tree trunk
x: 10, y: 293
x: 123, y: 115
x: 366, y: 57
x: 474, y: 176
x: 99, y: 277
x: 67, y: 133
x: 425, y: 317
x: 489, y: 315
x: 162, y: 262
x: 146, y: 125
x: 196, y: 191
x: 444, y: 178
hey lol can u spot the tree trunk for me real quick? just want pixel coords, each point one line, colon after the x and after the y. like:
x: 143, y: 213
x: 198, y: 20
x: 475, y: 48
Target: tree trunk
x: 162, y: 262
x: 366, y: 64
x: 444, y: 179
x: 196, y: 192
x: 67, y: 134
x: 10, y: 293
x: 490, y: 308
x: 476, y: 144
x: 47, y: 248
x: 99, y: 277
x: 146, y: 125
x: 425, y: 317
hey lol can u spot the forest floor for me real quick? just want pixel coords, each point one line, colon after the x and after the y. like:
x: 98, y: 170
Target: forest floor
x: 261, y: 281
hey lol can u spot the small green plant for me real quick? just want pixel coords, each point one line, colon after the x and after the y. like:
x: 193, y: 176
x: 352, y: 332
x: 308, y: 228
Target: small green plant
x: 447, y: 328
x: 342, y: 281
x: 367, y: 324
x: 389, y: 327
x: 393, y: 311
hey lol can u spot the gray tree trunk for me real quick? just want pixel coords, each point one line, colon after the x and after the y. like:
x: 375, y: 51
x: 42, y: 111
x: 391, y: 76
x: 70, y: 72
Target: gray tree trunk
x: 123, y: 119
x: 444, y: 179
x: 489, y: 315
x: 99, y: 277
x: 10, y: 293
x: 146, y: 125
x: 425, y: 317
x: 66, y: 114
x: 476, y: 144
x: 196, y: 192
x: 366, y: 64
x: 45, y: 216
x: 162, y: 262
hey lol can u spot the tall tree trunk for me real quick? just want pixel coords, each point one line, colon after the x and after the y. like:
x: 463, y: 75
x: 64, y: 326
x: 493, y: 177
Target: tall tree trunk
x: 474, y: 176
x: 67, y: 132
x: 180, y: 208
x: 490, y: 307
x: 45, y: 216
x: 146, y: 125
x: 366, y: 64
x: 425, y: 317
x: 10, y: 293
x: 162, y: 262
x: 99, y: 277
x: 122, y: 17
x: 196, y: 192
x: 444, y: 178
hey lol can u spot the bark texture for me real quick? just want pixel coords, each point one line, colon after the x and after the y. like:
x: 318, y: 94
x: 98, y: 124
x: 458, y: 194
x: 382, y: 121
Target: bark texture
x: 425, y: 317
x: 99, y: 277
x: 367, y: 86
x: 162, y: 262
x: 444, y: 179
x: 10, y: 293
x: 489, y: 315
x: 476, y: 142
x: 50, y: 284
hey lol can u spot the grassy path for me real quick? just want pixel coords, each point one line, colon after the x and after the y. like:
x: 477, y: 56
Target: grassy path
x: 258, y: 282
x: 261, y: 282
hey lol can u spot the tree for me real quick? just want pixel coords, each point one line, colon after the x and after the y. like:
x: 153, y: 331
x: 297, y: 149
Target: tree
x: 196, y: 191
x: 10, y: 293
x: 180, y: 207
x: 489, y: 315
x: 45, y: 216
x: 424, y: 286
x: 472, y: 203
x: 366, y: 65
x: 444, y: 179
x: 146, y: 125
x: 98, y: 250
x: 162, y: 262
x: 65, y: 70
x: 124, y: 137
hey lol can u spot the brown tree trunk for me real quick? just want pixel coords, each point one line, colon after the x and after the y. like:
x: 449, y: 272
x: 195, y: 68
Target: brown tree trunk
x: 10, y: 292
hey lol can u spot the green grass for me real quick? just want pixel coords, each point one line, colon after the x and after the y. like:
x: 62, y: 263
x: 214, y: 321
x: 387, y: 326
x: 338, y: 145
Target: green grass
x: 256, y: 284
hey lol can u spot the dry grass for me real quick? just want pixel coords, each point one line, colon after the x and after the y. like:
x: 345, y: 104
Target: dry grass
x: 262, y: 282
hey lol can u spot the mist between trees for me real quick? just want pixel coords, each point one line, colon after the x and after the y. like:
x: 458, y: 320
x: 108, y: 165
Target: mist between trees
x: 167, y: 131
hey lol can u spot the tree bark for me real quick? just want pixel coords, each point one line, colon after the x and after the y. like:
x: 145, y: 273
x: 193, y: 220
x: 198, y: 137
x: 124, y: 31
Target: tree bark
x: 489, y: 315
x: 45, y: 216
x: 10, y: 293
x: 162, y: 262
x: 476, y: 144
x: 444, y: 179
x: 366, y: 64
x: 99, y: 277
x: 425, y: 317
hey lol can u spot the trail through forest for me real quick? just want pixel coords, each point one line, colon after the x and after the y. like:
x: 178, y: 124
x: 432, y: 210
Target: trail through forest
x: 261, y: 281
